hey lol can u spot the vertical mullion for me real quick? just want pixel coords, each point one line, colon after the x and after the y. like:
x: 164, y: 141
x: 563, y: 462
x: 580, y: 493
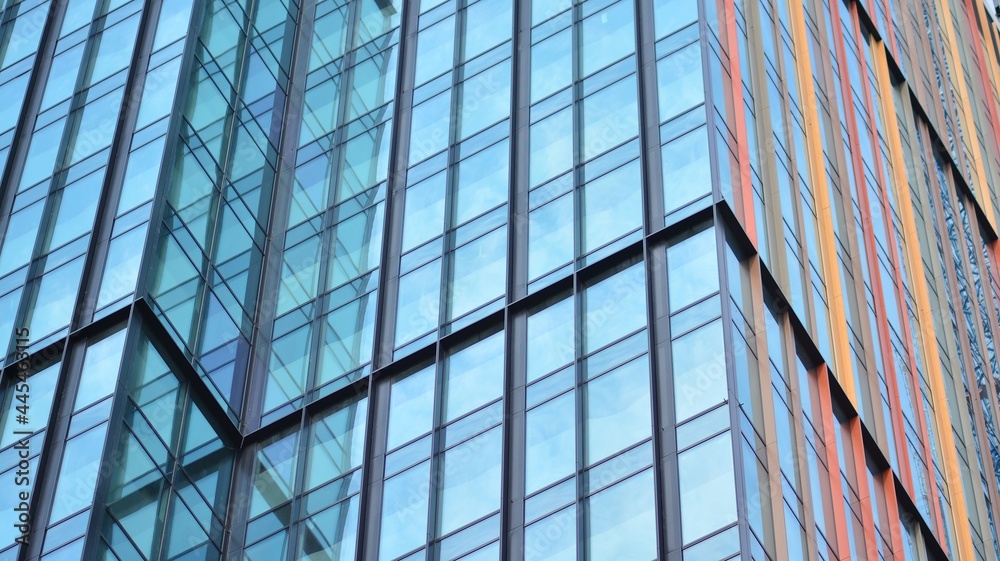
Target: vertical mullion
x: 515, y: 324
x: 294, y: 522
x: 436, y: 471
x: 579, y: 421
x: 329, y: 214
x: 258, y: 368
x: 10, y: 171
x: 731, y: 383
x: 392, y: 240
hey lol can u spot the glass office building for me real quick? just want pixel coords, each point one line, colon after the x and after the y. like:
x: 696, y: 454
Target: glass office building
x: 325, y: 280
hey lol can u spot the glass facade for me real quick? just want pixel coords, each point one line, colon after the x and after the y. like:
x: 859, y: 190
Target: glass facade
x: 442, y: 280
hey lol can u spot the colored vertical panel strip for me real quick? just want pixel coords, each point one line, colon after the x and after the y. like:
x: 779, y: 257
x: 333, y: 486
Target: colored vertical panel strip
x: 968, y: 125
x: 928, y: 341
x: 989, y: 69
x: 829, y: 424
x: 745, y: 191
x: 843, y: 369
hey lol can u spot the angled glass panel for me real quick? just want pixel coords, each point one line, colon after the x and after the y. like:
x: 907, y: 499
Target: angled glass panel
x: 699, y: 367
x: 550, y: 443
x: 470, y: 485
x: 622, y: 520
x: 680, y: 81
x: 411, y: 407
x: 610, y: 117
x: 79, y: 472
x: 337, y: 444
x: 606, y: 37
x: 708, y: 488
x: 687, y: 172
x: 618, y: 410
x: 551, y: 65
x: 551, y: 147
x: 404, y: 512
x: 419, y: 302
x: 274, y: 473
x: 693, y: 269
x: 41, y: 389
x: 551, y: 339
x: 614, y: 307
x: 611, y: 206
x: 479, y: 272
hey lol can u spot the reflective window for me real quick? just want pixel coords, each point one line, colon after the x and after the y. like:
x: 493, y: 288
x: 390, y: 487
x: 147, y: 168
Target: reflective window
x: 460, y: 471
x: 708, y: 488
x: 583, y: 137
x: 599, y: 436
x: 693, y: 269
x: 327, y: 487
x: 453, y: 270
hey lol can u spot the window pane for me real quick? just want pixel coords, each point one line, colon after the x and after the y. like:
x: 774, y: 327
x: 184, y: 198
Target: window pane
x: 42, y: 154
x: 357, y: 245
x: 42, y: 386
x: 374, y: 82
x: 121, y: 270
x: 62, y: 76
x: 551, y: 147
x: 693, y: 269
x: 430, y: 127
x: 79, y: 471
x: 366, y: 161
x: 404, y: 512
x: 337, y: 444
x: 55, y: 299
x: 699, y: 370
x: 114, y: 49
x: 550, y: 443
x: 614, y: 307
x: 474, y: 377
x: 553, y: 538
x: 551, y: 67
x: 708, y: 491
x: 610, y: 117
x: 550, y: 339
x: 680, y: 80
x: 435, y: 50
x: 672, y: 15
x: 479, y: 272
x: 274, y: 474
x: 419, y: 301
x: 424, y: 214
x: 332, y: 534
x: 485, y: 99
x: 411, y: 407
x: 20, y: 239
x: 482, y: 182
x: 470, y: 481
x: 606, y: 37
x: 348, y: 337
x: 100, y: 370
x: 612, y: 206
x: 141, y: 175
x: 488, y: 23
x: 550, y: 236
x: 687, y: 173
x: 622, y: 521
x: 77, y: 205
x: 618, y: 410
